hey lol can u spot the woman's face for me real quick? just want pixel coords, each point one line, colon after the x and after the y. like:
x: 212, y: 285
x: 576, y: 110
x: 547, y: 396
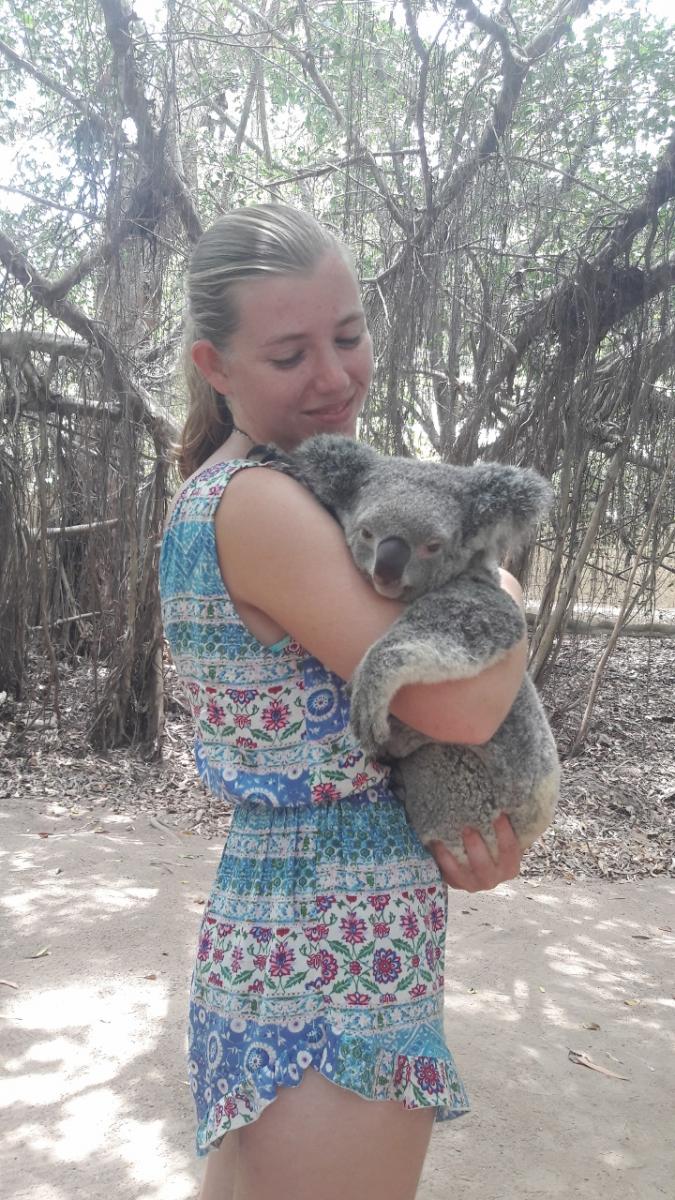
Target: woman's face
x: 301, y: 359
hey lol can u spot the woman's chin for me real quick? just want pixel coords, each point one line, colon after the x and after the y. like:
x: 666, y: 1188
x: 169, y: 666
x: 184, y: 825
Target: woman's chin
x: 341, y: 422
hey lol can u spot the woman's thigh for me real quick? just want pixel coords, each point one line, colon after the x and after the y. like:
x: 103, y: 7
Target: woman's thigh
x: 219, y: 1178
x: 319, y: 1141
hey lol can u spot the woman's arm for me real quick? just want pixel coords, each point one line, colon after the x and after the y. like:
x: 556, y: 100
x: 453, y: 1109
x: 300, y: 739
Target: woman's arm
x: 281, y: 553
x: 491, y: 694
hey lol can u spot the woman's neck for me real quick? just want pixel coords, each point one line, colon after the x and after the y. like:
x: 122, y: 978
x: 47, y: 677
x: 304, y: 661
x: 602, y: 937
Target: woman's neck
x: 237, y: 445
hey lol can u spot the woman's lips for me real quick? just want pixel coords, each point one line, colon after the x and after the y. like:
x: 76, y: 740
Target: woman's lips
x: 332, y: 412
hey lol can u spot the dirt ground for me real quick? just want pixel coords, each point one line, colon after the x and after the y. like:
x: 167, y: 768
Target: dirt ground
x: 105, y: 864
x: 100, y: 930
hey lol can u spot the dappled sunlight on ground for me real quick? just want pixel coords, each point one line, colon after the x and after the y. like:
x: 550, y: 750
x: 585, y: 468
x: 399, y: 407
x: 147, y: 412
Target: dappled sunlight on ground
x: 537, y: 969
x: 93, y: 1093
x: 101, y: 904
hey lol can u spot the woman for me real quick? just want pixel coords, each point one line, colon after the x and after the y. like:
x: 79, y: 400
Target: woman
x: 317, y: 1054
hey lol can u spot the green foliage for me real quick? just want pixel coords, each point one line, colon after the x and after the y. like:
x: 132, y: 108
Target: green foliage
x: 512, y: 314
x: 592, y: 114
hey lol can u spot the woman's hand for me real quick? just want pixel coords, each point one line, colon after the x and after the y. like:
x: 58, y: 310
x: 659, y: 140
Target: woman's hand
x: 483, y: 871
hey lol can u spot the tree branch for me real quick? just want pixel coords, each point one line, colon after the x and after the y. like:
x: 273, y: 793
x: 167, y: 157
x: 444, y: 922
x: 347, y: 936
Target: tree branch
x: 307, y: 60
x: 55, y: 531
x: 612, y: 292
x: 494, y: 29
x: 424, y: 55
x: 515, y: 67
x: 328, y: 168
x: 559, y: 24
x: 16, y: 343
x: 626, y: 603
x: 43, y: 399
x: 139, y: 212
x: 247, y: 139
x: 152, y: 148
x: 661, y: 188
x: 133, y: 398
x: 93, y: 258
x: 616, y: 291
x: 246, y: 108
x: 42, y: 200
x: 53, y: 85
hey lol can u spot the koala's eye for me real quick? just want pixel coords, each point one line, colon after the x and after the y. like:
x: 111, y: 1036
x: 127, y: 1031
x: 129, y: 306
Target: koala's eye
x: 433, y: 547
x: 366, y: 534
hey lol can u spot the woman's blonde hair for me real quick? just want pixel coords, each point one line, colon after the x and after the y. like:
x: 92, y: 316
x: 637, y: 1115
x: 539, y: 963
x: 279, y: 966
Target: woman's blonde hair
x: 262, y: 239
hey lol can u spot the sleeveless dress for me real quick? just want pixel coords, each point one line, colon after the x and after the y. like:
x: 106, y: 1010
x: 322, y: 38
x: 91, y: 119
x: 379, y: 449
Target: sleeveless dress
x: 322, y: 941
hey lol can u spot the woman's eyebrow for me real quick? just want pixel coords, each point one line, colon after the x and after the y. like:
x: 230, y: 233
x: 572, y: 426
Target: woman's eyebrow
x: 294, y: 337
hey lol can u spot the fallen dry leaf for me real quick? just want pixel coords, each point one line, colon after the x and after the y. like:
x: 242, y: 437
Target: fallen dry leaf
x: 41, y: 953
x: 582, y: 1060
x: 593, y: 1025
x: 631, y: 1003
x: 8, y: 983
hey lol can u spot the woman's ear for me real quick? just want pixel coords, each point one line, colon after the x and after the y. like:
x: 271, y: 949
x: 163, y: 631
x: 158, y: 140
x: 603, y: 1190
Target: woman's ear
x: 209, y: 362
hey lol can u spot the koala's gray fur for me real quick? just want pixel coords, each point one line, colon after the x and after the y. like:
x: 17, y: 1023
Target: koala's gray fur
x: 431, y: 535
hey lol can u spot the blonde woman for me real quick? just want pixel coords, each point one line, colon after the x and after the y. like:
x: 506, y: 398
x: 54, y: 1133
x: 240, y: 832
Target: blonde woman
x: 317, y: 1053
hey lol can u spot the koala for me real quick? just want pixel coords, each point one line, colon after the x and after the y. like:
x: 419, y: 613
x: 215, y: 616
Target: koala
x: 431, y: 535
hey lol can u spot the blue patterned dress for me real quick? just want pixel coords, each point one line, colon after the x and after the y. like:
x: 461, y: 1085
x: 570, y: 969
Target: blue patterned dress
x: 322, y: 941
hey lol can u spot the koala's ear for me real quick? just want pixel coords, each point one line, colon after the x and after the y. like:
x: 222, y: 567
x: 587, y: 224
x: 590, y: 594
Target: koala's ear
x: 502, y: 506
x: 332, y: 467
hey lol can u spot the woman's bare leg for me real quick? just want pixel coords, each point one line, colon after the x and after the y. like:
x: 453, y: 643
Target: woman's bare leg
x: 319, y: 1141
x: 219, y: 1179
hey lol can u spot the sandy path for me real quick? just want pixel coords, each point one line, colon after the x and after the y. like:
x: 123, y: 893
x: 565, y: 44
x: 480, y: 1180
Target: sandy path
x: 93, y: 1097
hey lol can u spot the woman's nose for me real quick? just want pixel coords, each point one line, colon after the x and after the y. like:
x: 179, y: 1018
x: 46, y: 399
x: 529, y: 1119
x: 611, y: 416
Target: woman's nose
x: 330, y: 373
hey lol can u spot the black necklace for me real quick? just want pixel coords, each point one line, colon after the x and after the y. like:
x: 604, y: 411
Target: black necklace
x: 236, y: 429
x: 259, y: 451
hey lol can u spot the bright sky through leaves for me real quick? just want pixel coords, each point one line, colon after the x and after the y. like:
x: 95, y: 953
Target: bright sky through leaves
x: 152, y: 13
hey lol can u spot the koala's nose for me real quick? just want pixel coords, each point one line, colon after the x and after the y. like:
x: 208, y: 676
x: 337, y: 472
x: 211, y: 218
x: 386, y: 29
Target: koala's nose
x: 390, y: 560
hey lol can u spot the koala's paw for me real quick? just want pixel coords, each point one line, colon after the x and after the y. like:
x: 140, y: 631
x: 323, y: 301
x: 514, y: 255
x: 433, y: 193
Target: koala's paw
x: 369, y: 721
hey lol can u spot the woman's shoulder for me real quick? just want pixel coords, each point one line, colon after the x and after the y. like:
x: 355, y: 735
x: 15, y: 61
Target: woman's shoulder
x: 255, y: 491
x: 204, y: 488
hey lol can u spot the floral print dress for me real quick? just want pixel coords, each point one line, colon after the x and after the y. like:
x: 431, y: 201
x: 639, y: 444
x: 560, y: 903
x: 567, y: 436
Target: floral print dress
x: 322, y: 941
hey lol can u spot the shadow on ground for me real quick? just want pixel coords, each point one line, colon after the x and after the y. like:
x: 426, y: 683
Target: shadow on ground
x: 93, y: 1085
